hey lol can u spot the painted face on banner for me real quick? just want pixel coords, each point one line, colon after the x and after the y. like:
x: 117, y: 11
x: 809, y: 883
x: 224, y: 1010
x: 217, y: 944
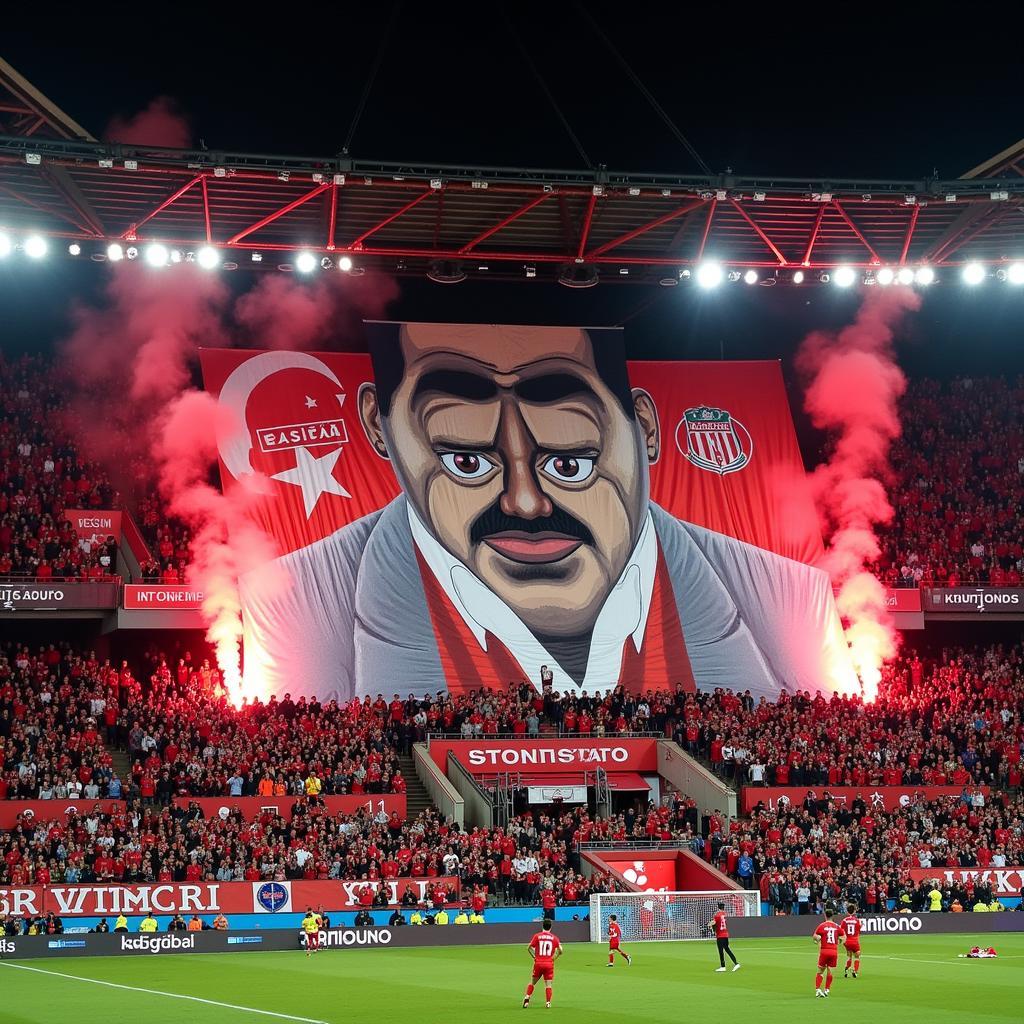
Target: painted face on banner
x: 521, y: 461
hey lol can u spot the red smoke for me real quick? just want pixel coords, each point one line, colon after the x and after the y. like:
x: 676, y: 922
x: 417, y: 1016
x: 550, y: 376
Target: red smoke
x: 132, y: 362
x: 160, y: 124
x: 853, y: 390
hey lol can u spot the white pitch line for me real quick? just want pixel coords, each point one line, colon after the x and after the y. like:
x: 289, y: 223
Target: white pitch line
x: 169, y: 995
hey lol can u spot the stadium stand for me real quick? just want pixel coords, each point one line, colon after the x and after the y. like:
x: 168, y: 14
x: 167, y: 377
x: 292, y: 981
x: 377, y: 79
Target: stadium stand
x: 959, y: 487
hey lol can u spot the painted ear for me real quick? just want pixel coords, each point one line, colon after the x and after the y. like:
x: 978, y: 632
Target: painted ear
x: 369, y: 416
x: 647, y: 416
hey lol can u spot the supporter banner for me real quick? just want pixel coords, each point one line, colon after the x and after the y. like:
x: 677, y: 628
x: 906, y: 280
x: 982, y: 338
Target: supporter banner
x: 900, y: 601
x: 661, y: 535
x: 52, y: 597
x: 94, y: 526
x: 539, y: 757
x: 975, y: 601
x: 253, y: 806
x: 878, y: 797
x: 143, y: 597
x: 889, y: 924
x: 205, y: 897
x: 643, y: 875
x: 35, y: 811
x: 1004, y: 881
x: 562, y: 794
x: 33, y: 947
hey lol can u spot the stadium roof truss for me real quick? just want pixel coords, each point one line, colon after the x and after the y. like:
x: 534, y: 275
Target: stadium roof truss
x: 57, y: 180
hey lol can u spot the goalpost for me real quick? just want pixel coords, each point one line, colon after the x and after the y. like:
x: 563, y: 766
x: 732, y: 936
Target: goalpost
x: 660, y: 916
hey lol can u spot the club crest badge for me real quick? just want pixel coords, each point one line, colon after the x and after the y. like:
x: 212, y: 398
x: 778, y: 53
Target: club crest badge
x: 714, y: 440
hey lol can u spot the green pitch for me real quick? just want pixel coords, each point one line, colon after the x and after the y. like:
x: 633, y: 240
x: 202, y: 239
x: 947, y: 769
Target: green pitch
x: 920, y: 979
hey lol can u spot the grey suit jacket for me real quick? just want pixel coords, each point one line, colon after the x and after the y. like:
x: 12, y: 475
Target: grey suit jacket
x: 355, y: 621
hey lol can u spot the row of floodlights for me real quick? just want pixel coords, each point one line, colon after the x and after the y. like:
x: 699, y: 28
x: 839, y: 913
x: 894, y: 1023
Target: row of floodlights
x: 711, y: 275
x: 156, y: 254
x: 707, y: 275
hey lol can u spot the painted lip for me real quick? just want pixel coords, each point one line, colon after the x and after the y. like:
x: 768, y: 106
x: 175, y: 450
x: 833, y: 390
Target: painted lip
x: 533, y: 548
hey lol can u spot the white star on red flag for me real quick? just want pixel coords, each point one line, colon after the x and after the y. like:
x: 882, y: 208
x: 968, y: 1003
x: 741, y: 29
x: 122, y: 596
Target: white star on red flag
x: 314, y: 477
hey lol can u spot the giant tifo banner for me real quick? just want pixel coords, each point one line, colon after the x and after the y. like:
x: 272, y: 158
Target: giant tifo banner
x: 207, y: 897
x: 474, y: 505
x: 252, y: 807
x: 1007, y: 881
x: 883, y: 798
x: 551, y: 757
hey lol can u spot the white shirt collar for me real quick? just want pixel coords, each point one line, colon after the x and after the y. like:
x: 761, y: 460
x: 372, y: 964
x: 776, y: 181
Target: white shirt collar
x: 622, y: 617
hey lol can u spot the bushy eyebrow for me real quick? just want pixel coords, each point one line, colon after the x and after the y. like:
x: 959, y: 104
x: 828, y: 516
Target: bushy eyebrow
x: 473, y: 387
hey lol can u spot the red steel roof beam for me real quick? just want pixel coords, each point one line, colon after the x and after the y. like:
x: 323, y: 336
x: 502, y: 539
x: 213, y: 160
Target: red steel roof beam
x: 853, y: 227
x: 357, y: 243
x: 588, y: 219
x: 760, y: 234
x: 908, y: 237
x: 271, y: 217
x: 815, y: 231
x: 525, y: 208
x: 130, y: 234
x: 644, y: 228
x: 712, y: 206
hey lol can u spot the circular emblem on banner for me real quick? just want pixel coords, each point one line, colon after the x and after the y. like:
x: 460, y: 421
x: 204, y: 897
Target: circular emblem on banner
x: 714, y: 440
x: 272, y: 896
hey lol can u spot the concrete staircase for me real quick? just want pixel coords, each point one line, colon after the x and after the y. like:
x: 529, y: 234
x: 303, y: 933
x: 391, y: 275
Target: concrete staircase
x: 122, y: 764
x: 416, y: 796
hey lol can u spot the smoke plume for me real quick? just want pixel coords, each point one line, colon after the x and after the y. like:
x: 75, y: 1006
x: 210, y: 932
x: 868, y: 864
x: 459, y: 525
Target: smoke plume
x: 160, y: 124
x: 853, y: 387
x: 131, y: 361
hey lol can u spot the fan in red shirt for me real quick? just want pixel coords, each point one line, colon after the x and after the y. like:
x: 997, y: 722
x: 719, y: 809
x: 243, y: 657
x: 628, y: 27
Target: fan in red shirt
x: 614, y: 937
x: 545, y: 949
x: 850, y: 926
x: 827, y: 937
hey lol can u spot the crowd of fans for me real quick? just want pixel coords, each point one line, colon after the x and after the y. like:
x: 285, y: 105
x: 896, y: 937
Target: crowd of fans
x: 42, y: 473
x: 533, y: 860
x: 958, y: 490
x: 826, y: 849
x: 952, y: 720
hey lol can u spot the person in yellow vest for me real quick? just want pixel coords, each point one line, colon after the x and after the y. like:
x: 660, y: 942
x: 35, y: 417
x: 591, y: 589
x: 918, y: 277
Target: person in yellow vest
x: 981, y: 907
x: 311, y: 925
x: 148, y: 924
x: 476, y: 918
x: 995, y: 906
x: 461, y: 917
x: 121, y: 924
x: 441, y: 917
x: 195, y: 924
x: 313, y: 784
x: 416, y: 917
x: 935, y: 900
x: 220, y: 923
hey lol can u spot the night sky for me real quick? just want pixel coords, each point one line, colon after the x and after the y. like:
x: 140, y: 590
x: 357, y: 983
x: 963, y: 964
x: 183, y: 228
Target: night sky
x: 879, y: 94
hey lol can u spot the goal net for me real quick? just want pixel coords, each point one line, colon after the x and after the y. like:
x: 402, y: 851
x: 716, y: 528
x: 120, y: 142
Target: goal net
x: 657, y: 916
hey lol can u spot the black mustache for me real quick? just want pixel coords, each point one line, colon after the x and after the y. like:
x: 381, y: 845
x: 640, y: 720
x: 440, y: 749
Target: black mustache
x: 495, y: 521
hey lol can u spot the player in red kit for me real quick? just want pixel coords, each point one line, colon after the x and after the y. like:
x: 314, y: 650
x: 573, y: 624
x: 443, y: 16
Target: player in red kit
x: 545, y: 949
x: 850, y: 926
x: 720, y: 927
x: 614, y: 937
x: 826, y: 935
